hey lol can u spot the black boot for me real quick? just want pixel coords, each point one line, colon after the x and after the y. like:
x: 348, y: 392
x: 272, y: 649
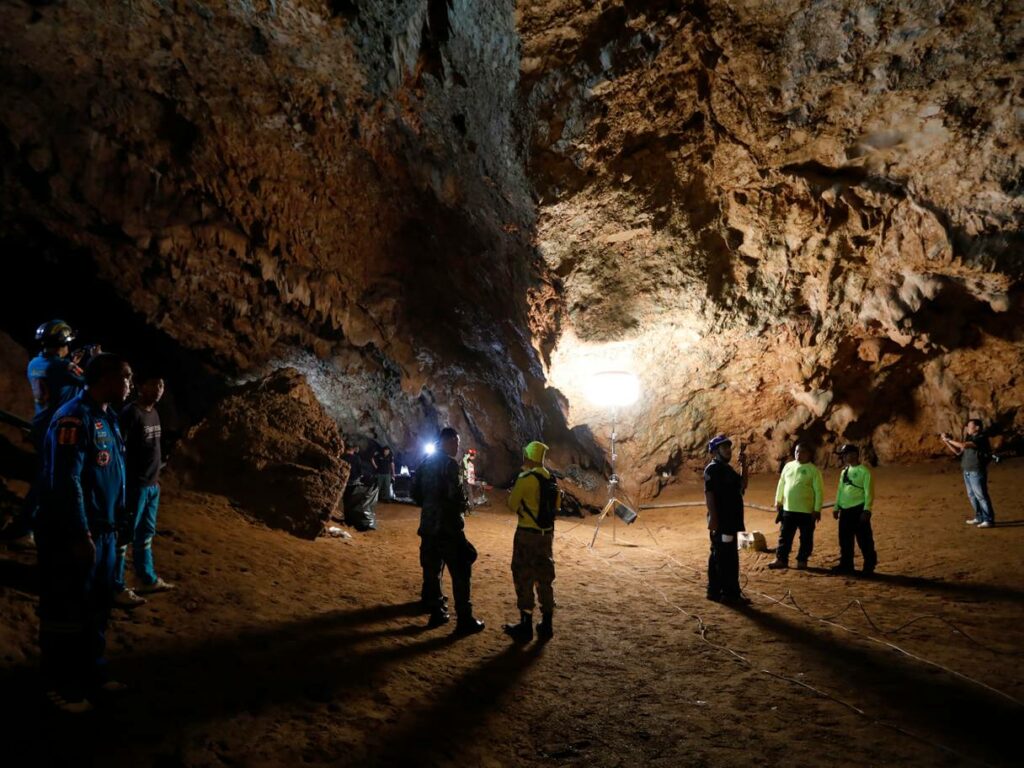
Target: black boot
x: 523, y: 631
x: 467, y: 624
x: 545, y: 630
x: 438, y: 617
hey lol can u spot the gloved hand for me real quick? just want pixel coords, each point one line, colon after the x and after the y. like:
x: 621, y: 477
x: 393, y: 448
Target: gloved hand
x: 778, y: 513
x: 835, y: 513
x: 865, y: 516
x: 817, y: 516
x: 83, y: 551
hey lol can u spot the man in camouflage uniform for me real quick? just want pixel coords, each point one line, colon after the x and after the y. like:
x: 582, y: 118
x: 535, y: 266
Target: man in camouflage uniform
x: 438, y: 489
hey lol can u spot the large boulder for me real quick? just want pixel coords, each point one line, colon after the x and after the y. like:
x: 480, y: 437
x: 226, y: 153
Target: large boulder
x: 270, y: 447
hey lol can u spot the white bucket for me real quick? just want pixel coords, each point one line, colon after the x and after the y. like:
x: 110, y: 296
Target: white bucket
x: 753, y: 540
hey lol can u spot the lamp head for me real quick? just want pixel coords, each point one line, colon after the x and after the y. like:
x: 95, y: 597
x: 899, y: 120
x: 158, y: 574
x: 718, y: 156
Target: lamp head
x: 613, y: 389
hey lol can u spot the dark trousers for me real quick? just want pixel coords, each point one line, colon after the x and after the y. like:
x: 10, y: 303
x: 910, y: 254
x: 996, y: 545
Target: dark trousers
x: 851, y: 528
x: 723, y: 568
x: 791, y: 523
x: 437, y: 553
x: 74, y: 607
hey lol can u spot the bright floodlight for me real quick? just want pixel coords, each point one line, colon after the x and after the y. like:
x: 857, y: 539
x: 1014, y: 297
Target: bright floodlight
x: 429, y: 448
x: 612, y: 389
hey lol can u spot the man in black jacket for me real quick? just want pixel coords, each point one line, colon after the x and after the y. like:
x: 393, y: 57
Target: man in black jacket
x: 438, y: 489
x: 723, y: 490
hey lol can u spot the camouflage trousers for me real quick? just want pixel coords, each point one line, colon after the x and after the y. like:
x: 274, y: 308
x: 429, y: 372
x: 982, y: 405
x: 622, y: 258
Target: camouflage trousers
x: 533, y: 565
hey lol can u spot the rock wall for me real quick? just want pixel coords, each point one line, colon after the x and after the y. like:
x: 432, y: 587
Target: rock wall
x: 791, y: 219
x: 271, y: 447
x: 265, y: 180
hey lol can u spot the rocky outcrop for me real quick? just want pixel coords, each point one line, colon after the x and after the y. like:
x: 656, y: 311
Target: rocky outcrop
x: 796, y: 219
x: 281, y: 183
x: 791, y: 219
x: 271, y: 447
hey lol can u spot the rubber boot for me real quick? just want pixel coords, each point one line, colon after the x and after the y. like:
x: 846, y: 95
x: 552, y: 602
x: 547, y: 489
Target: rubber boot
x: 467, y: 624
x: 545, y: 630
x: 523, y: 631
x: 438, y: 617
x: 779, y: 565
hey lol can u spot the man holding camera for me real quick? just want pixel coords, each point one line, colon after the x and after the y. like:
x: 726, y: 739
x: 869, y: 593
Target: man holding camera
x: 55, y: 378
x: 854, y: 499
x: 975, y: 453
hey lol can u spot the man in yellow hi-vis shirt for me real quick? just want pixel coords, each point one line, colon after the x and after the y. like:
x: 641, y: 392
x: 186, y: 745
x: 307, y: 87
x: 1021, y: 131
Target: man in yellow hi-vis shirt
x: 536, y: 500
x: 798, y: 500
x: 854, y: 499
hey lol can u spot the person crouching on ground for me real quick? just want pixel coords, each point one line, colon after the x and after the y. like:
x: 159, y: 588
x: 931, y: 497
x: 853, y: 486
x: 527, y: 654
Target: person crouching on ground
x: 535, y: 499
x: 723, y: 490
x: 854, y: 498
x: 798, y: 501
x: 975, y: 453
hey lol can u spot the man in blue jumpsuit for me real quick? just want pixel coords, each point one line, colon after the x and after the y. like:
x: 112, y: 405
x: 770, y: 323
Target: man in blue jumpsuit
x: 82, y: 505
x: 55, y: 379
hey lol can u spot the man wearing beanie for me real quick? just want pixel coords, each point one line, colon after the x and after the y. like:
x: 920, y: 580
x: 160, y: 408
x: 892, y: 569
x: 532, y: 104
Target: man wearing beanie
x: 535, y: 499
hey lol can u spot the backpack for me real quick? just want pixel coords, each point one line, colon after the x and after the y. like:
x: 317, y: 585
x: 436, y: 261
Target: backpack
x: 550, y: 501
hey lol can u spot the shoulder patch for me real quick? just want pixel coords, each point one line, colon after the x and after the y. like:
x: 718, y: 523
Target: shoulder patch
x: 103, y: 458
x: 67, y: 433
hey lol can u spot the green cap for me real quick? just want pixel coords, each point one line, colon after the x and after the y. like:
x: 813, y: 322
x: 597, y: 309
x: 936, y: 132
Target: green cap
x: 535, y: 451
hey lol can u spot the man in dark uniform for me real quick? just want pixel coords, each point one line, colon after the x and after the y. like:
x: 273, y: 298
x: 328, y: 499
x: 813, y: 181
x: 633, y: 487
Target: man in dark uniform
x: 438, y: 489
x: 82, y: 503
x: 55, y: 379
x: 384, y: 465
x: 723, y: 490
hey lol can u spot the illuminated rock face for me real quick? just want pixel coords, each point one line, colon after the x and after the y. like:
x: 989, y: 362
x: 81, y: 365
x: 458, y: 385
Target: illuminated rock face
x: 788, y: 218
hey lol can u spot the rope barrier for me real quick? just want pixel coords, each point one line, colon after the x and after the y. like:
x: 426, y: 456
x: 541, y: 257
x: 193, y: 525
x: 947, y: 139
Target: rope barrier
x: 866, y: 636
x: 703, y: 630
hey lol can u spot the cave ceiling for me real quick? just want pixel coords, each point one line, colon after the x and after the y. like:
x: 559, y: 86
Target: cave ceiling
x: 788, y: 218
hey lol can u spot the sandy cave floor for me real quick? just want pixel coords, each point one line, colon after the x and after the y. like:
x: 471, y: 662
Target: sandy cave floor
x: 281, y: 652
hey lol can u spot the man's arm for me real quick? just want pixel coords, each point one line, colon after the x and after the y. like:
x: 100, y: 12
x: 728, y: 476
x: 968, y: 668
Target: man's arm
x: 956, y: 446
x: 516, y: 497
x: 819, y: 493
x: 709, y: 498
x: 67, y: 442
x: 869, y: 490
x: 839, y: 491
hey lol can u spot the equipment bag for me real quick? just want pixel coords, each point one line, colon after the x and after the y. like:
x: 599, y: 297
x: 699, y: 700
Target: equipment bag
x: 550, y: 501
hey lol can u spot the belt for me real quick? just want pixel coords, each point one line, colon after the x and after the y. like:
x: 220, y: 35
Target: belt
x: 537, y: 531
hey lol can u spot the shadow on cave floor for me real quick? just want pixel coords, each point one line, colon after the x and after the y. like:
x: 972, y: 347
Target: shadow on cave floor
x: 969, y: 719
x: 319, y: 660
x: 964, y: 589
x: 19, y: 575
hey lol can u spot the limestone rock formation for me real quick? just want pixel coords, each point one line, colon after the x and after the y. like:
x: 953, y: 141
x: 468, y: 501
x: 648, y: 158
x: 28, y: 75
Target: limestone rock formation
x: 271, y: 447
x: 792, y: 218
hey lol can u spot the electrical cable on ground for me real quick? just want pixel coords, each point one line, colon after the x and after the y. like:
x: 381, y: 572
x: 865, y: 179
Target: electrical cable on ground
x: 702, y: 631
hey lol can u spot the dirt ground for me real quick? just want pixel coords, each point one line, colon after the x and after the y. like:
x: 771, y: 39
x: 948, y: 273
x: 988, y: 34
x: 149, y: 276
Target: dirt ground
x: 282, y: 652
